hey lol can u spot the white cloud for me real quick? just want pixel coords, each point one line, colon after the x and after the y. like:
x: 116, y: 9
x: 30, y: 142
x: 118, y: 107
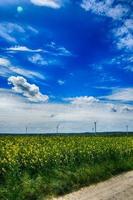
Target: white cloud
x: 7, y: 69
x: 62, y: 51
x: 125, y: 94
x: 23, y: 48
x: 55, y: 4
x: 118, y: 12
x: 4, y: 62
x: 48, y: 3
x: 104, y: 8
x: 7, y: 29
x: 10, y: 31
x: 31, y: 91
x: 37, y: 59
x: 82, y: 100
x: 129, y: 24
x: 27, y: 73
x: 123, y: 61
x: 129, y: 68
x: 58, y: 50
x: 61, y: 82
x: 127, y: 109
x: 33, y: 29
x: 16, y: 113
x: 125, y: 42
x: 123, y: 35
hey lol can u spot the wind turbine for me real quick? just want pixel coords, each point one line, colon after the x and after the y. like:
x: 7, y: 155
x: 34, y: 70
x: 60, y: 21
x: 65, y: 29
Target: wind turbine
x: 95, y: 127
x: 26, y: 129
x: 57, y: 127
x: 127, y: 129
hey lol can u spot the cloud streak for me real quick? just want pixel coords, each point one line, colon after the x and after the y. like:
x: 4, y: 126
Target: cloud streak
x: 7, y: 69
x: 23, y: 49
x: 56, y: 50
x: 82, y: 100
x: 8, y: 29
x: 123, y: 94
x: 55, y: 4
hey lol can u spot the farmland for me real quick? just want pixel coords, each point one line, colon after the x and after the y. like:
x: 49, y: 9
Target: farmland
x: 38, y: 167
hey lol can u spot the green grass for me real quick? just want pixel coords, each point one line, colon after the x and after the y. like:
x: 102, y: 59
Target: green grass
x: 38, y: 167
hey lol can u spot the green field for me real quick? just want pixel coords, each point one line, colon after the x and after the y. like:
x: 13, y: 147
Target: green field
x: 38, y: 167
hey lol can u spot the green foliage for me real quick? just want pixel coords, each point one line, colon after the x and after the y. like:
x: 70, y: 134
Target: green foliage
x: 36, y: 167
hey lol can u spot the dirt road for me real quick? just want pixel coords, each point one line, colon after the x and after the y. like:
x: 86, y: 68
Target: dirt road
x: 116, y: 188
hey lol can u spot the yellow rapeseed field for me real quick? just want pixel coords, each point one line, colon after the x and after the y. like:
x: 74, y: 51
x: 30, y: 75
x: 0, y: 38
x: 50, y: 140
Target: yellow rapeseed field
x: 38, y: 152
x: 58, y: 164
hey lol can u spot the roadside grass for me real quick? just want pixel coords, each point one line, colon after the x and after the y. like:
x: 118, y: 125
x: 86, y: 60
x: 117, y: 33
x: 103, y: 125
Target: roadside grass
x: 59, y: 181
x: 44, y: 183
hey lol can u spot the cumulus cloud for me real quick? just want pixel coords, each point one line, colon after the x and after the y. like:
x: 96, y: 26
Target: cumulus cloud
x: 124, y: 94
x: 23, y: 48
x: 37, y: 59
x: 82, y: 100
x: 48, y: 3
x: 31, y: 91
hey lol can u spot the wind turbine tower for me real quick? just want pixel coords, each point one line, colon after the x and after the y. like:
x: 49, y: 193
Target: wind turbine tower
x: 26, y: 129
x: 127, y: 129
x: 57, y: 128
x: 95, y: 127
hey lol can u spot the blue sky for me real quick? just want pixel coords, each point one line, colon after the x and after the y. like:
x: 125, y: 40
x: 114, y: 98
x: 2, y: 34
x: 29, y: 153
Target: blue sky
x: 68, y: 62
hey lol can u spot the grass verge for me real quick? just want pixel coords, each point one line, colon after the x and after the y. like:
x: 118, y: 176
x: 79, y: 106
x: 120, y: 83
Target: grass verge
x: 60, y: 181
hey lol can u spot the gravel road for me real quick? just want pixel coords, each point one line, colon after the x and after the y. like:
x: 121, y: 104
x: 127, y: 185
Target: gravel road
x: 117, y: 188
